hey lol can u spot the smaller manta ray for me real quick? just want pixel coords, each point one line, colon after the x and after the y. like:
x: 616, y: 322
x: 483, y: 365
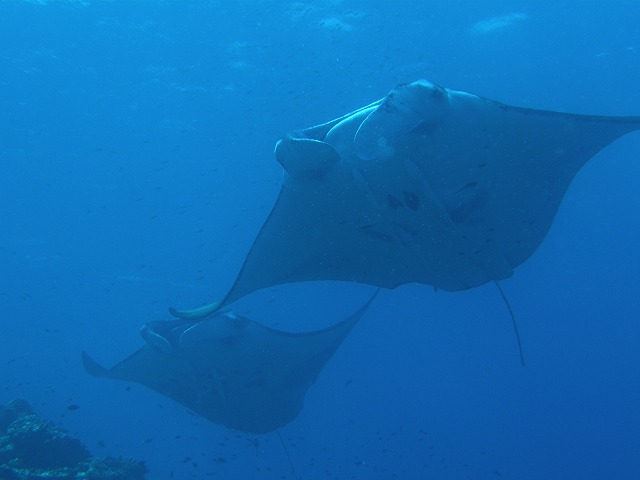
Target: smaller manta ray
x: 427, y: 185
x: 229, y: 369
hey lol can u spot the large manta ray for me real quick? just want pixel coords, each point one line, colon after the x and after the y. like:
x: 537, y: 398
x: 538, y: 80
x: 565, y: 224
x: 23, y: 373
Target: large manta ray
x: 229, y: 369
x: 426, y: 185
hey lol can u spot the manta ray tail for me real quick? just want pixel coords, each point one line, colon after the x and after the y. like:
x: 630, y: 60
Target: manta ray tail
x: 513, y: 320
x: 286, y: 451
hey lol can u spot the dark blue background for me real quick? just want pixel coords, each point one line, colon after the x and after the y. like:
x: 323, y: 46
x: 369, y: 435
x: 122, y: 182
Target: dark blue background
x: 136, y: 167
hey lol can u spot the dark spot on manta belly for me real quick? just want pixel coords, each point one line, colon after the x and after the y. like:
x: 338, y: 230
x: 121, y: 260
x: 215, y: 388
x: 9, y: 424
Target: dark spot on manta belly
x: 375, y: 234
x: 466, y: 187
x: 411, y: 200
x: 393, y: 202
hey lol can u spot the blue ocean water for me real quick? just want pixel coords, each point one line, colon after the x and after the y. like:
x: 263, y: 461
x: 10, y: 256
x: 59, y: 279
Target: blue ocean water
x: 136, y: 167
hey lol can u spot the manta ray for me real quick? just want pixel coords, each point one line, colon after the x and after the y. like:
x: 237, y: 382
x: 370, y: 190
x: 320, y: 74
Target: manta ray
x: 229, y: 369
x: 427, y: 185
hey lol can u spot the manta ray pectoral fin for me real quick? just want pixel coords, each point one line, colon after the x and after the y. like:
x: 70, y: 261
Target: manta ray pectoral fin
x: 305, y: 158
x: 402, y: 110
x: 196, y: 313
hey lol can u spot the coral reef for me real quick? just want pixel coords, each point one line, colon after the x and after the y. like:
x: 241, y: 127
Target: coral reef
x: 32, y: 449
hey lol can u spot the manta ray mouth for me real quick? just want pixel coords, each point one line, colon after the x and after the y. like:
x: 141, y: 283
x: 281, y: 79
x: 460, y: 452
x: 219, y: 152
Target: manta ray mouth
x: 156, y: 340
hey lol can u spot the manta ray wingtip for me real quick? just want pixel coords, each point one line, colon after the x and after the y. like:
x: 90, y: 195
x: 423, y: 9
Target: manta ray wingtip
x: 92, y: 367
